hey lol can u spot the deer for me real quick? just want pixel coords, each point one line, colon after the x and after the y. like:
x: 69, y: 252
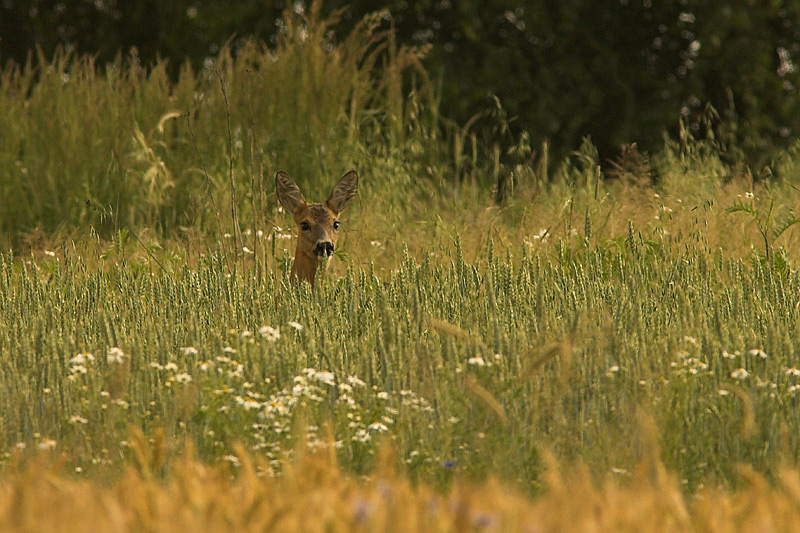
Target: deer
x: 318, y: 224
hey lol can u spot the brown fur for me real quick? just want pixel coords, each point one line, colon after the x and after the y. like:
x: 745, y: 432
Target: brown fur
x: 317, y: 224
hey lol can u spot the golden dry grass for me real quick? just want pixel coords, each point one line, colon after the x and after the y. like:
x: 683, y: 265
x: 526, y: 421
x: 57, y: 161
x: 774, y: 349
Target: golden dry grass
x: 314, y: 495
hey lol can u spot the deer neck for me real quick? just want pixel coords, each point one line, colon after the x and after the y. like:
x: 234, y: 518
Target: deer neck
x: 305, y: 266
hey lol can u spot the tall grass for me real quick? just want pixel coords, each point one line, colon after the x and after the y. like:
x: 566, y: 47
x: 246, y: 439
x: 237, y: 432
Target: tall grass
x: 466, y: 364
x: 123, y: 146
x: 315, y: 495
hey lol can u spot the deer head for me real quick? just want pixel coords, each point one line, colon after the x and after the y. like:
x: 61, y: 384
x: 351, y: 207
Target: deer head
x: 317, y: 224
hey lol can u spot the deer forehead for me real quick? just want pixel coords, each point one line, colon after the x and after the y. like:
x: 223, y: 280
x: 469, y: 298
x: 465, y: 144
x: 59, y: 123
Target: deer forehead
x: 316, y: 214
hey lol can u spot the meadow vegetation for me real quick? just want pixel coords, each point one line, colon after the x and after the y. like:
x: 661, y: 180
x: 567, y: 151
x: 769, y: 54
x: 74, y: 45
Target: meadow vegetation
x: 641, y: 321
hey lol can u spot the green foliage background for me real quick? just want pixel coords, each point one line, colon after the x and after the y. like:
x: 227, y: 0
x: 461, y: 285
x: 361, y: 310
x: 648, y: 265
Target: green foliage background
x: 620, y: 71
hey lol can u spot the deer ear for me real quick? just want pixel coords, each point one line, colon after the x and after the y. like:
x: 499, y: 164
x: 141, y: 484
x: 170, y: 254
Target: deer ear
x: 343, y: 193
x: 289, y: 193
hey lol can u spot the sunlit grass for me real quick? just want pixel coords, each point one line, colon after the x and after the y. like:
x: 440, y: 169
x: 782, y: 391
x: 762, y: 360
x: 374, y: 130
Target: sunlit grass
x: 469, y: 364
x: 315, y: 495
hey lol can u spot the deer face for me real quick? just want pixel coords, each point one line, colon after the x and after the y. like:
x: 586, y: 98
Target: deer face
x: 319, y: 230
x: 317, y: 224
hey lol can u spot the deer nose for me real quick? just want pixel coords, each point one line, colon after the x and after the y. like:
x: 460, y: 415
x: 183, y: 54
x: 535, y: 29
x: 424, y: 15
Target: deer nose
x: 324, y: 248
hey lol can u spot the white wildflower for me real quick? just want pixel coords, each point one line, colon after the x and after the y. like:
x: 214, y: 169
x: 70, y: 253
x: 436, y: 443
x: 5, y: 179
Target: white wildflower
x: 183, y: 378
x: 354, y: 381
x: 269, y: 333
x: 274, y: 407
x: 82, y: 358
x: 296, y: 325
x: 757, y: 352
x: 362, y: 435
x: 78, y: 369
x: 248, y: 403
x: 189, y: 351
x: 121, y: 403
x: 47, y: 444
x: 115, y: 355
x: 477, y: 361
x: 325, y: 377
x: 695, y: 365
x: 232, y: 459
x: 740, y: 373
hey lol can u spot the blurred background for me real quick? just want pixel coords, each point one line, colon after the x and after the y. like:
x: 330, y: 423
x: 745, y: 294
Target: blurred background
x: 619, y: 71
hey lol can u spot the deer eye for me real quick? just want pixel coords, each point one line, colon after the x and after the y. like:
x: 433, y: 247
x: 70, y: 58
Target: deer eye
x: 336, y: 225
x: 305, y: 226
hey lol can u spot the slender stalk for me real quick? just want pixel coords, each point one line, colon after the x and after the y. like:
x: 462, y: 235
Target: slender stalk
x: 255, y: 171
x: 237, y: 236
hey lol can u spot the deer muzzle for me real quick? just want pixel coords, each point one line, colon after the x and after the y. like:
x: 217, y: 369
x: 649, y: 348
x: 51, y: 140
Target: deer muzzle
x: 323, y: 249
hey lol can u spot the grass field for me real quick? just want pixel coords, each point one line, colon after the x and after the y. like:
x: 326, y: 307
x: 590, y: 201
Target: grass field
x: 638, y: 325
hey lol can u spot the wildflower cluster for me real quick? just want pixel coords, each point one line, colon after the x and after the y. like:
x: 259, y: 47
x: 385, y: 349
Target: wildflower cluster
x: 277, y: 231
x: 687, y: 364
x: 78, y: 364
x: 172, y: 373
x: 356, y: 413
x: 739, y: 368
x: 740, y: 364
x: 792, y: 375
